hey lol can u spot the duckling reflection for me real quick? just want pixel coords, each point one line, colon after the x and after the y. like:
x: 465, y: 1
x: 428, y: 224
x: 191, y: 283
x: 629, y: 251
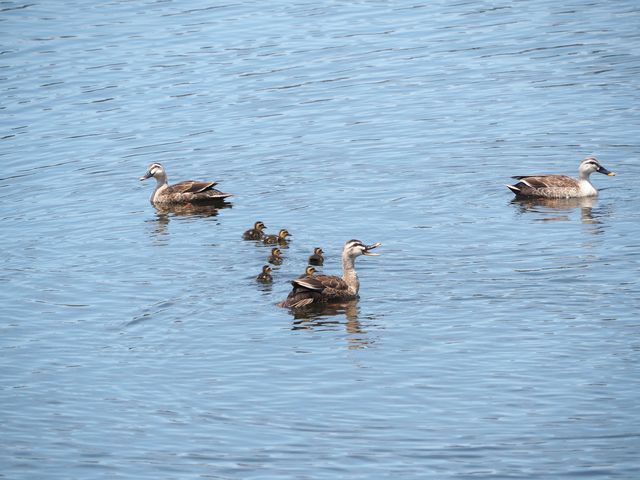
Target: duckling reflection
x: 558, y: 209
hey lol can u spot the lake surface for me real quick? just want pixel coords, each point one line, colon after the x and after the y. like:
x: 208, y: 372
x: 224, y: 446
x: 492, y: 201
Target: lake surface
x: 492, y: 338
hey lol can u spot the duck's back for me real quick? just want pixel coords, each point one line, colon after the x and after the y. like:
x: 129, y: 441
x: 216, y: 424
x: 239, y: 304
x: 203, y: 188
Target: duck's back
x: 190, y: 191
x: 548, y: 186
x: 315, y: 289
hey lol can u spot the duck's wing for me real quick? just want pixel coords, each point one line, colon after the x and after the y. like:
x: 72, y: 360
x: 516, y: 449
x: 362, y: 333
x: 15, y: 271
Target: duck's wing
x: 329, y: 286
x: 546, y: 181
x: 549, y: 186
x: 196, y: 190
x: 191, y: 186
x: 315, y: 289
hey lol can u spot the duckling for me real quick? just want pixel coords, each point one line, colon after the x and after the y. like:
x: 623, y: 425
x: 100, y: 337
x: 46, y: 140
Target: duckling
x: 255, y: 233
x: 322, y: 289
x: 316, y: 258
x: 308, y: 272
x: 560, y: 186
x: 280, y: 238
x: 189, y: 191
x: 275, y: 257
x: 265, y: 275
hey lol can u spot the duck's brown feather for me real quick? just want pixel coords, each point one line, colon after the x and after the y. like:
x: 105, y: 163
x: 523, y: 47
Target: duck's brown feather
x: 192, y: 186
x: 316, y: 259
x: 547, y: 181
x: 545, y: 185
x: 253, y: 234
x: 317, y: 289
x: 195, y: 188
x: 191, y: 191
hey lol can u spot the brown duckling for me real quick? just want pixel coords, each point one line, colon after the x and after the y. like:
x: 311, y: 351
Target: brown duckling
x: 316, y: 258
x: 275, y: 258
x: 308, y: 272
x: 280, y: 238
x: 255, y: 233
x: 189, y: 191
x: 265, y: 275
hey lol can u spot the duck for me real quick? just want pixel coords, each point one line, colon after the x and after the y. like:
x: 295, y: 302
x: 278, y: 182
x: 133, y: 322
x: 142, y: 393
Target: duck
x: 255, y: 233
x: 275, y: 258
x: 189, y: 191
x: 280, y: 238
x: 308, y: 272
x: 323, y: 289
x: 316, y: 258
x: 265, y: 275
x: 560, y: 186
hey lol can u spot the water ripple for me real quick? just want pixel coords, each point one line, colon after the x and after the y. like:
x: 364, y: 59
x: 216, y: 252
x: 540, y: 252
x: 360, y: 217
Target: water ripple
x: 492, y: 338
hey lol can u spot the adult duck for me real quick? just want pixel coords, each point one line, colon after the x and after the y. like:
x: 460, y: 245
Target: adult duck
x: 323, y: 289
x: 560, y: 186
x: 189, y: 191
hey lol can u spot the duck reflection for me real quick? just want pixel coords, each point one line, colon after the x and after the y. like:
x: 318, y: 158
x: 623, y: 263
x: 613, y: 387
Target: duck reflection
x: 160, y: 224
x: 558, y: 209
x: 192, y: 210
x: 326, y: 317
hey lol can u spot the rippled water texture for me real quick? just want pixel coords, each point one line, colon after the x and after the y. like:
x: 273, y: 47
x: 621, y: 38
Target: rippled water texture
x: 492, y: 339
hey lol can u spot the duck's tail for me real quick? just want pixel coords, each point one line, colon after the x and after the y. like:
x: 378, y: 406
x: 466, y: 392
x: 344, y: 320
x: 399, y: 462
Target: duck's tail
x: 514, y: 189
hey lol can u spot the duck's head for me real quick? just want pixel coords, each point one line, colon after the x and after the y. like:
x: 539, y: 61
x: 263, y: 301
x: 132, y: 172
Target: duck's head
x: 317, y: 251
x: 154, y: 170
x: 355, y: 248
x: 590, y: 165
x: 266, y: 269
x: 283, y: 234
x: 259, y: 226
x: 310, y: 270
x: 275, y: 251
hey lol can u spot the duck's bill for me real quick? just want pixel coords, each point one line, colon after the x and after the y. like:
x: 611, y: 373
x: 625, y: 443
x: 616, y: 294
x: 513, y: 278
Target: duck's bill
x: 371, y: 247
x: 146, y: 175
x: 604, y: 171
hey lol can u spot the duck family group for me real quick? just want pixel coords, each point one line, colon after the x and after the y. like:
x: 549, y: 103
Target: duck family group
x: 313, y: 289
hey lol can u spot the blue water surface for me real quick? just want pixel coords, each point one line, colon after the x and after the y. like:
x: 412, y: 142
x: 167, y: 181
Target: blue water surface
x: 492, y: 338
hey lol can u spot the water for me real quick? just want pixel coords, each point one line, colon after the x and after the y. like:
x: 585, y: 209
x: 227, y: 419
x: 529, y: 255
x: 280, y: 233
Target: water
x: 492, y: 339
